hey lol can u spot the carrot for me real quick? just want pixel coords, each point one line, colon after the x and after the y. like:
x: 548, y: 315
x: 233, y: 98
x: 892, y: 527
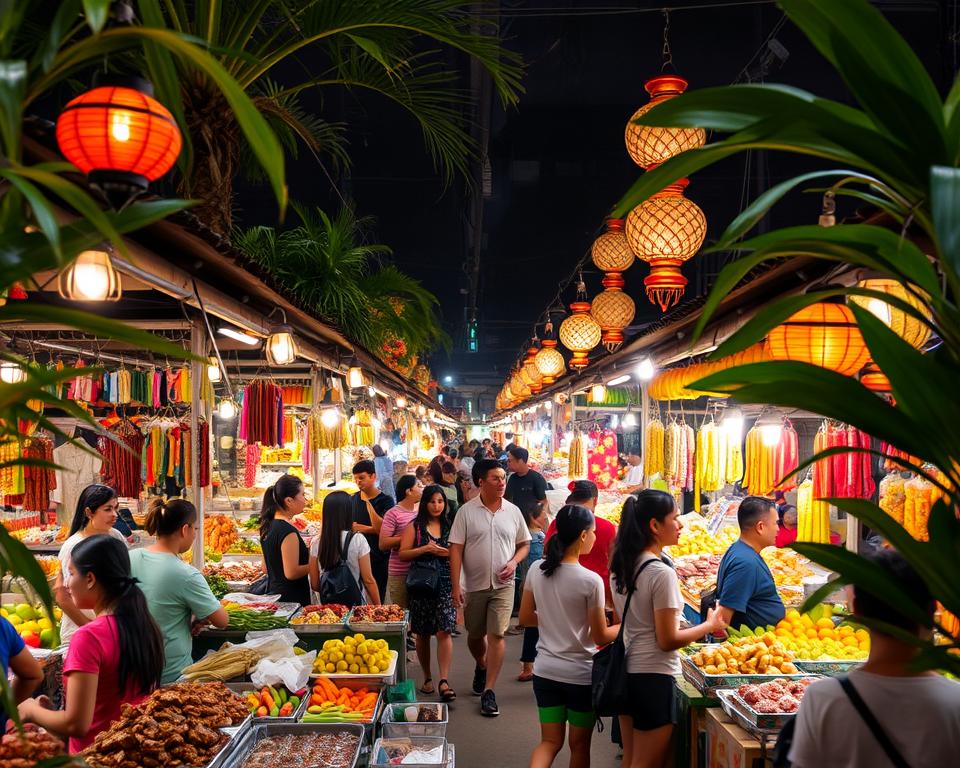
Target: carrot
x: 331, y: 690
x: 267, y: 699
x: 317, y: 699
x: 368, y: 701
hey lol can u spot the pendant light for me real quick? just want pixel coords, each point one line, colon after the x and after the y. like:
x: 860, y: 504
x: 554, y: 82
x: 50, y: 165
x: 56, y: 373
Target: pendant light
x: 548, y: 359
x: 354, y: 375
x: 227, y: 409
x: 907, y: 327
x: 822, y: 334
x: 214, y: 375
x: 598, y: 393
x: 119, y: 136
x: 580, y: 332
x: 649, y: 145
x: 401, y: 401
x: 12, y: 372
x: 874, y: 379
x: 281, y: 346
x: 90, y: 277
x: 330, y: 417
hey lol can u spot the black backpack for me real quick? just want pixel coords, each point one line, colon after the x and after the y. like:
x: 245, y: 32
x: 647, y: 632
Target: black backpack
x: 337, y: 584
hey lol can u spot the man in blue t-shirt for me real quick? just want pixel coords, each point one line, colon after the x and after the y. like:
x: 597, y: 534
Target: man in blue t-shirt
x: 746, y: 592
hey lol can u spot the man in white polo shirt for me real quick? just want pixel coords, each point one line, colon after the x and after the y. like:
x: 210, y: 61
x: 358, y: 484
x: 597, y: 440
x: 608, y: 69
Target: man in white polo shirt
x: 489, y: 539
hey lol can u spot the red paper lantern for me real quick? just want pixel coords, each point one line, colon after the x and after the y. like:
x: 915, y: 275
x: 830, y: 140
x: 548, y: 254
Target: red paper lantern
x: 120, y: 136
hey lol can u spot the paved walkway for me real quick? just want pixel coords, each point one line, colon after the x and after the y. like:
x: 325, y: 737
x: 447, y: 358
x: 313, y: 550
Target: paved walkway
x: 505, y: 741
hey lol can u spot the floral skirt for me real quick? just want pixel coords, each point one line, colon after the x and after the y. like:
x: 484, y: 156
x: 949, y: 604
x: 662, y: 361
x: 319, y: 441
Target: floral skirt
x: 429, y: 615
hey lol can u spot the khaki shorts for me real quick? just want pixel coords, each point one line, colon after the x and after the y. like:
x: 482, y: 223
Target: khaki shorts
x: 487, y: 612
x: 397, y: 589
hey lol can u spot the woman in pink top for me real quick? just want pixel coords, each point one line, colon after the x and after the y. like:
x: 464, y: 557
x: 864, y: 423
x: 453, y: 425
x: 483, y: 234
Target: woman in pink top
x: 409, y: 491
x: 115, y: 659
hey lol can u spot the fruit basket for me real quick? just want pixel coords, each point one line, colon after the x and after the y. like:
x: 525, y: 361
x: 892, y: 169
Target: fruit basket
x: 338, y: 677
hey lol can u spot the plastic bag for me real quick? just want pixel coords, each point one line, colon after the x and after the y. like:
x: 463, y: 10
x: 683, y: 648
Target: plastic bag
x: 245, y: 598
x: 292, y: 671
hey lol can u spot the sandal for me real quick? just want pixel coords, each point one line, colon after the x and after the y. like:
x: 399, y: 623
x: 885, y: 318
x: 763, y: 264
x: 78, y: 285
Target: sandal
x: 446, y: 692
x: 424, y: 690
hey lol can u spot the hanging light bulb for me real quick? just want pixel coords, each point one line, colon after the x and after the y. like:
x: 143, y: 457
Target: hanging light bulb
x: 330, y: 417
x: 227, y: 408
x: 371, y: 391
x: 733, y: 425
x: 421, y: 410
x: 629, y: 420
x: 213, y: 370
x: 598, y: 393
x: 91, y: 277
x: 646, y: 370
x: 771, y: 430
x: 401, y: 401
x: 355, y: 377
x: 281, y: 346
x: 11, y: 372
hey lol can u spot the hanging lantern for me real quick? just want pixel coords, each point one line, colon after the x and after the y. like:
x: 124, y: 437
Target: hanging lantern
x: 648, y: 145
x: 579, y: 332
x: 90, y: 277
x: 613, y: 310
x: 548, y: 360
x: 401, y: 401
x: 516, y: 385
x: 666, y: 230
x: 330, y: 417
x: 822, y: 334
x: 354, y: 377
x: 214, y: 374
x: 281, y: 346
x: 907, y: 327
x: 531, y: 374
x: 12, y: 372
x: 227, y: 408
x: 120, y: 137
x: 598, y: 393
x: 611, y: 251
x: 874, y: 379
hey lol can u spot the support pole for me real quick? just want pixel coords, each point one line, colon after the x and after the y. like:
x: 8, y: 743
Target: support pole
x: 198, y: 346
x: 644, y: 419
x: 316, y: 470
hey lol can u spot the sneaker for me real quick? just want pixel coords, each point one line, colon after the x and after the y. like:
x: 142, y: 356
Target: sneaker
x: 488, y: 704
x: 479, y: 681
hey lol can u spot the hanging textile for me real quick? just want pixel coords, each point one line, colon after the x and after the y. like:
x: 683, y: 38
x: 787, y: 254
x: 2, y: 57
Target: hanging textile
x: 121, y: 463
x: 38, y: 481
x: 843, y: 475
x: 252, y: 464
x: 786, y: 458
x: 297, y: 395
x: 653, y: 449
x: 362, y: 431
x: 326, y: 438
x: 262, y: 414
x: 11, y: 478
x: 602, y: 459
x: 203, y: 439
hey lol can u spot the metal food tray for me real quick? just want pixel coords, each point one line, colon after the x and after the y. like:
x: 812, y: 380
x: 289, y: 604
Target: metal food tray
x: 321, y: 629
x: 708, y: 685
x: 244, y: 746
x: 747, y: 718
x: 391, y: 727
x: 219, y: 760
x: 379, y: 759
x: 377, y: 626
x: 233, y: 730
x: 828, y: 667
x: 243, y: 688
x: 356, y: 685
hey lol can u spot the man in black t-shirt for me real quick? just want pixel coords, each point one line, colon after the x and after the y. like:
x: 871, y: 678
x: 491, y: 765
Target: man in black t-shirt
x: 525, y: 486
x: 369, y: 507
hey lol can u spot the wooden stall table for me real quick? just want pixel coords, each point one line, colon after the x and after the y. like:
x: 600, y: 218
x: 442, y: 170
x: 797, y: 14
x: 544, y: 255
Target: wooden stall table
x: 692, y: 707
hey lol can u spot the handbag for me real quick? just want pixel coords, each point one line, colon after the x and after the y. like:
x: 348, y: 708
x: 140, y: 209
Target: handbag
x: 609, y: 677
x: 337, y: 585
x: 423, y: 578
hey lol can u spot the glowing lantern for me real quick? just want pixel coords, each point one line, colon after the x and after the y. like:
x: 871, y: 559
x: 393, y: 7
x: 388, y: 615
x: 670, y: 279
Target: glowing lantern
x: 611, y: 251
x: 580, y: 333
x: 401, y: 401
x: 120, y: 137
x: 227, y: 408
x: 649, y: 146
x: 598, y: 393
x: 666, y: 230
x: 613, y: 310
x: 281, y: 347
x: 11, y: 372
x: 874, y: 379
x: 91, y: 277
x: 907, y: 327
x: 354, y: 377
x: 214, y: 375
x: 822, y: 334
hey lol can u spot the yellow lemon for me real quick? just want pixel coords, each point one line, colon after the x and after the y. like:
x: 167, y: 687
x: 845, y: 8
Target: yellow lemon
x: 331, y: 668
x: 342, y: 666
x: 364, y: 671
x: 349, y: 658
x: 45, y: 623
x: 354, y: 669
x: 362, y: 649
x: 359, y: 638
x: 374, y: 669
x: 14, y: 619
x: 850, y: 641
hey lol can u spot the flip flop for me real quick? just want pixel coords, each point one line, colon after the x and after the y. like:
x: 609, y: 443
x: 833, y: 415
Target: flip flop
x: 424, y: 690
x: 446, y: 692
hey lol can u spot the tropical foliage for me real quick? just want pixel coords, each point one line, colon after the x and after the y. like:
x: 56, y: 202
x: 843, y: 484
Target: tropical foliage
x: 898, y: 149
x: 388, y: 48
x: 327, y: 263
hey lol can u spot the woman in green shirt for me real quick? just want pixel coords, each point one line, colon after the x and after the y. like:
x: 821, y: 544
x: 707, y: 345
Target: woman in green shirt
x: 177, y: 594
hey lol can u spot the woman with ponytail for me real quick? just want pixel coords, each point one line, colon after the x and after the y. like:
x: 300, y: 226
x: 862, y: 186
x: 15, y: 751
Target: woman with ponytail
x: 565, y: 600
x: 284, y: 552
x: 652, y: 635
x: 95, y: 514
x: 115, y: 659
x: 177, y: 594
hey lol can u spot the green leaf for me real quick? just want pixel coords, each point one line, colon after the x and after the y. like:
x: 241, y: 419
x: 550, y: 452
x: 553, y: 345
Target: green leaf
x: 373, y: 49
x: 13, y: 85
x: 42, y: 210
x: 63, y: 20
x: 97, y: 13
x: 945, y: 201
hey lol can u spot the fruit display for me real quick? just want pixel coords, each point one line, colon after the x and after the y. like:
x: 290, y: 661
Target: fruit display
x: 29, y: 748
x: 235, y: 571
x: 610, y: 510
x: 272, y: 701
x: 226, y: 664
x: 699, y: 541
x: 780, y: 696
x: 245, y: 546
x: 331, y: 613
x: 253, y: 620
x: 813, y: 637
x: 175, y: 726
x: 330, y: 749
x: 219, y: 532
x: 33, y: 625
x: 354, y: 655
x: 788, y: 567
x: 378, y: 614
x: 330, y: 704
x: 49, y: 564
x: 752, y: 655
x: 813, y: 515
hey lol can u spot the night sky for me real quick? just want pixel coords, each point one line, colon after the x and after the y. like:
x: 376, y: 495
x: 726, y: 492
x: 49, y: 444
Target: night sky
x: 558, y: 159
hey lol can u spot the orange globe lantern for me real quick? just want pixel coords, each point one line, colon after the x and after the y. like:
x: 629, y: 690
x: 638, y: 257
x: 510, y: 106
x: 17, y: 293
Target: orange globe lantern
x: 874, y: 379
x: 907, y: 327
x: 120, y: 137
x: 549, y: 361
x: 611, y: 251
x: 613, y: 310
x: 649, y: 146
x: 531, y: 373
x: 666, y: 230
x: 822, y: 334
x: 580, y: 333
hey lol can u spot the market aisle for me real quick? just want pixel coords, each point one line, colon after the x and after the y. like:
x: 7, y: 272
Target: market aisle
x: 508, y: 740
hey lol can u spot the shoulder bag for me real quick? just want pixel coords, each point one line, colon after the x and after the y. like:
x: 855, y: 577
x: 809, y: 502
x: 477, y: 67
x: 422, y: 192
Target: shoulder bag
x: 337, y: 584
x: 609, y: 679
x: 423, y: 578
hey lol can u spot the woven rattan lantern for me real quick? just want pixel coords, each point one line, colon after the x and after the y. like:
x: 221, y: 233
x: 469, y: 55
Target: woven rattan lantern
x: 822, y: 334
x: 549, y: 361
x: 531, y: 374
x: 665, y: 230
x: 613, y: 310
x: 908, y: 328
x: 874, y: 379
x: 580, y: 333
x: 611, y: 251
x: 517, y: 386
x: 649, y: 146
x: 120, y: 136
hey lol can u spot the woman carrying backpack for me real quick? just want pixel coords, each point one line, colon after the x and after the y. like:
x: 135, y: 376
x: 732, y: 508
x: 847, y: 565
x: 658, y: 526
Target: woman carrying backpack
x: 432, y: 612
x: 340, y: 559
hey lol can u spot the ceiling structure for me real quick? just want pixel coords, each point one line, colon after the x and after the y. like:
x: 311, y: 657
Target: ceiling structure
x: 557, y: 162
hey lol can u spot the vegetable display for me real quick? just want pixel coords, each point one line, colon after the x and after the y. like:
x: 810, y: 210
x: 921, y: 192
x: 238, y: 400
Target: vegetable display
x: 251, y: 620
x: 274, y: 702
x: 227, y: 663
x: 217, y: 584
x: 330, y: 704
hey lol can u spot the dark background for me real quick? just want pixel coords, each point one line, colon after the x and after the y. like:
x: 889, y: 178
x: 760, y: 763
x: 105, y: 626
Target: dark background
x: 558, y: 161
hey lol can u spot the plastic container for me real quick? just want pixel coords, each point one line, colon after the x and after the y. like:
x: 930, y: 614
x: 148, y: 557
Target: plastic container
x: 380, y: 757
x: 393, y: 725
